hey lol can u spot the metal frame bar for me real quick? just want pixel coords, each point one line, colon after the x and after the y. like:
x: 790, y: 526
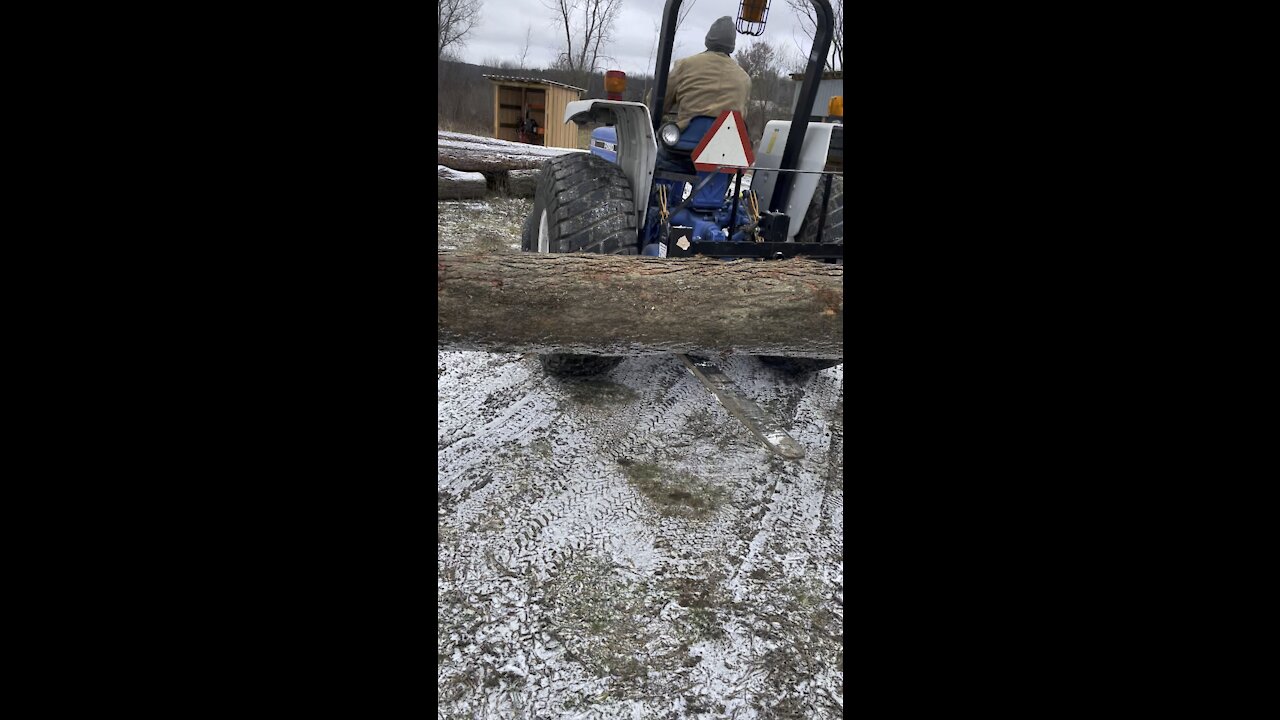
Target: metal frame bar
x: 666, y: 39
x: 737, y: 190
x: 757, y: 249
x: 808, y: 93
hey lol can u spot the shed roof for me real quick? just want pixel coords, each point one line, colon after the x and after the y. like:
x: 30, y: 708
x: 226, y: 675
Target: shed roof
x: 534, y: 81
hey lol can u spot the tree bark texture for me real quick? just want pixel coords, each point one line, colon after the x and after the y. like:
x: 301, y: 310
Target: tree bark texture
x: 473, y: 153
x: 522, y: 183
x: 612, y: 305
x: 454, y: 185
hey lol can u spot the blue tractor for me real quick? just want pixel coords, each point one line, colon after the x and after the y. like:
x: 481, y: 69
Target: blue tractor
x: 624, y: 197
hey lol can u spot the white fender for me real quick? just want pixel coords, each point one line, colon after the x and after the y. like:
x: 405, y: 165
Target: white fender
x: 813, y: 156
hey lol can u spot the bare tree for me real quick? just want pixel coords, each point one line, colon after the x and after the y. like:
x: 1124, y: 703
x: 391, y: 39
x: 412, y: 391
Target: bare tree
x: 649, y: 68
x: 791, y: 60
x: 808, y: 18
x: 684, y: 13
x: 524, y: 53
x: 496, y: 63
x: 457, y: 18
x: 587, y: 27
x: 763, y: 64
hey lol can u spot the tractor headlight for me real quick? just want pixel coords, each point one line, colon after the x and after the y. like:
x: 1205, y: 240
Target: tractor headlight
x: 669, y: 134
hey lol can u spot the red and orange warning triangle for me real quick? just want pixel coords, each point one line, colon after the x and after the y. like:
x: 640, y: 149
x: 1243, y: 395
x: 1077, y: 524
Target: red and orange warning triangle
x: 725, y: 144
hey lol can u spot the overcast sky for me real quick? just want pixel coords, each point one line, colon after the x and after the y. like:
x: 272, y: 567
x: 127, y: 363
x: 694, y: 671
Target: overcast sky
x: 501, y: 32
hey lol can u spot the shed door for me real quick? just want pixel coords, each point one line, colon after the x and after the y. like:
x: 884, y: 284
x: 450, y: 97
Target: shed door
x: 515, y: 103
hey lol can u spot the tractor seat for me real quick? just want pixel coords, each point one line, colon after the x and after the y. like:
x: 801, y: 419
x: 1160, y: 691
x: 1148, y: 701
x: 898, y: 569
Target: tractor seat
x: 692, y: 135
x: 710, y: 196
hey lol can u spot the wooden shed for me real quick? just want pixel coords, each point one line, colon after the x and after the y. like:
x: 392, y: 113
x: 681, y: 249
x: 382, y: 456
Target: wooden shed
x: 542, y: 100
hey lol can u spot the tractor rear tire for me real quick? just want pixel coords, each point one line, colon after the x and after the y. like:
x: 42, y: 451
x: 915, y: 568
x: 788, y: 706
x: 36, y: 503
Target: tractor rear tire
x: 582, y: 203
x: 588, y: 206
x: 833, y: 233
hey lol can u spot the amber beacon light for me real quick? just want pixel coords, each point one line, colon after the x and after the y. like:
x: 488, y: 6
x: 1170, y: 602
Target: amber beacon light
x: 615, y: 82
x: 752, y: 15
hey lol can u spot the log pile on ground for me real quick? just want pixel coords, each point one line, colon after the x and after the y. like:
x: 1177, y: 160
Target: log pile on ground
x: 506, y: 166
x: 454, y: 185
x: 472, y: 153
x: 521, y: 183
x: 611, y: 305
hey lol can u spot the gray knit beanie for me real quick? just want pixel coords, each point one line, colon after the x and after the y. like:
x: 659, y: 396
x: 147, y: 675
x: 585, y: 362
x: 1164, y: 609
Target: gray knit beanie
x: 720, y: 37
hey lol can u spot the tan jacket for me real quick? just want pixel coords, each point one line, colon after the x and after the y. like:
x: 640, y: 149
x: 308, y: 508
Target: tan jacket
x: 706, y: 84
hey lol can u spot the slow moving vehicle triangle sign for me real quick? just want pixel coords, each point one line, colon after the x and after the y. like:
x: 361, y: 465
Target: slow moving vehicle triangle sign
x: 724, y: 144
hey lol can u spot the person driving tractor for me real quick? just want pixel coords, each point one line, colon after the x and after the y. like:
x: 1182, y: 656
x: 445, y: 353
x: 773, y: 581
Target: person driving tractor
x: 707, y: 84
x: 710, y: 82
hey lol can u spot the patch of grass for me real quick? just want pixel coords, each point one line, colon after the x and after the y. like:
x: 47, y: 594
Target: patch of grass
x: 491, y: 224
x: 699, y: 419
x: 456, y: 621
x: 594, y: 613
x: 704, y: 623
x: 705, y: 601
x: 698, y: 590
x: 461, y: 126
x: 445, y: 534
x: 804, y: 615
x: 675, y: 494
x: 702, y: 423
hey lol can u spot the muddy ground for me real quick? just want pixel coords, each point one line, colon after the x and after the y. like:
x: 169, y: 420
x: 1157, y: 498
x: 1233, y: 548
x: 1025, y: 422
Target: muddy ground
x: 621, y: 547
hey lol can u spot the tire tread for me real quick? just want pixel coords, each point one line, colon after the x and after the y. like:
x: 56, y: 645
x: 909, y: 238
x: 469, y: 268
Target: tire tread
x: 590, y: 208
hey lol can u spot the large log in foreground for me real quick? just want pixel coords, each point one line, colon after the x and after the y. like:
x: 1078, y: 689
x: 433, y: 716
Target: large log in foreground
x: 611, y: 305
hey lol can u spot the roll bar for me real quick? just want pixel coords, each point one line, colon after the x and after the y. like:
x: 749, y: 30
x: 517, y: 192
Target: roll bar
x: 804, y: 103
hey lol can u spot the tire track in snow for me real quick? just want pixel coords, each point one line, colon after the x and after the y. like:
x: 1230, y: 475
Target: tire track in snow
x: 586, y: 494
x: 579, y: 502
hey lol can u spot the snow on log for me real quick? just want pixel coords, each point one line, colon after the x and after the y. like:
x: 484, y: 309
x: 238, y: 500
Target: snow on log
x: 454, y: 185
x: 475, y: 153
x: 627, y: 305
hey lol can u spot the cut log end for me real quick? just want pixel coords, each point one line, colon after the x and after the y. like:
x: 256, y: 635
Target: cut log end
x: 454, y: 185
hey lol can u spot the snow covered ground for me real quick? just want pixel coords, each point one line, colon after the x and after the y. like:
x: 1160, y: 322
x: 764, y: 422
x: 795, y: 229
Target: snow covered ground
x: 621, y: 547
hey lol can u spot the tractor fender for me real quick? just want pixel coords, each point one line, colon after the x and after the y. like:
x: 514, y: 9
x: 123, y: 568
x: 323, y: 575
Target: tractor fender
x: 813, y: 158
x: 637, y: 147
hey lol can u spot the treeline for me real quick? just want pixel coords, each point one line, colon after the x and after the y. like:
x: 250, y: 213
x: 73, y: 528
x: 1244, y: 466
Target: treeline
x: 466, y: 97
